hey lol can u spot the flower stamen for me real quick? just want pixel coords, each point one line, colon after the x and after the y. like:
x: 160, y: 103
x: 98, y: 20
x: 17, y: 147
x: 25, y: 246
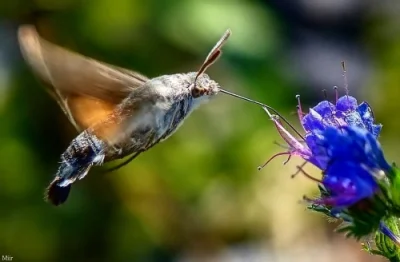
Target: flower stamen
x: 299, y: 109
x: 302, y: 171
x: 298, y: 170
x: 288, y: 159
x: 325, y: 94
x: 281, y: 145
x: 273, y: 157
x: 336, y: 93
x: 345, y: 82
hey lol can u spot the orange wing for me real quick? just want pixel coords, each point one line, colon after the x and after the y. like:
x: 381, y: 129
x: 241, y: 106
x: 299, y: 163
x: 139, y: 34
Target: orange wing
x: 87, y: 90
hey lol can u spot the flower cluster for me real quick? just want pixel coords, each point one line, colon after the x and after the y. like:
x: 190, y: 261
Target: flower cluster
x: 357, y: 185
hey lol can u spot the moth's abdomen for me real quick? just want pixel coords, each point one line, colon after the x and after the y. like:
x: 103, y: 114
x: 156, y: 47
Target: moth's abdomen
x: 84, y: 151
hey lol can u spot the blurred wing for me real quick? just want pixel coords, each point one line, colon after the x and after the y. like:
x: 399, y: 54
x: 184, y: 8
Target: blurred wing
x: 87, y: 90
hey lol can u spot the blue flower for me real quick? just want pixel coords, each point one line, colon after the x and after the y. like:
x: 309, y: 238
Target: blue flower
x: 341, y: 140
x: 325, y: 115
x: 357, y: 185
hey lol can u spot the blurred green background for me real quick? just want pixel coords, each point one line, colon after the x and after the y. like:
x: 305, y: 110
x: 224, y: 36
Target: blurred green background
x: 197, y: 196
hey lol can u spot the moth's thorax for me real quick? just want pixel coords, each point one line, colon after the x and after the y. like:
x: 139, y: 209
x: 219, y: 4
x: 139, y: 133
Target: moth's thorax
x: 157, y: 109
x: 175, y: 98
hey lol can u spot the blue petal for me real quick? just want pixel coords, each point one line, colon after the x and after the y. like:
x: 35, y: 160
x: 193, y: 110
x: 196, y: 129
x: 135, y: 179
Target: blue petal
x: 319, y: 155
x: 324, y: 108
x: 375, y: 153
x: 346, y: 103
x: 348, y: 182
x: 354, y: 119
x: 312, y: 121
x: 365, y: 112
x: 346, y: 143
x: 376, y: 129
x: 339, y: 144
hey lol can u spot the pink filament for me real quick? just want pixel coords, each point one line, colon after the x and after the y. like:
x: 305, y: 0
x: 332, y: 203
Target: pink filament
x: 273, y: 157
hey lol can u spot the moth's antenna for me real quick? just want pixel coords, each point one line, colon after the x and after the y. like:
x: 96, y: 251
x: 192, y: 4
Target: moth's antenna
x: 214, y: 54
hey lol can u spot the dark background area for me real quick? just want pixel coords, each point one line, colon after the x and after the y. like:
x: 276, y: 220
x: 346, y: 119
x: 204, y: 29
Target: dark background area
x: 197, y: 196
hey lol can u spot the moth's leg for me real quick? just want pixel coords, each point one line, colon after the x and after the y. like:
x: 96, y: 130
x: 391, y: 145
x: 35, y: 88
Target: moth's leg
x: 150, y: 143
x: 117, y: 149
x: 123, y: 163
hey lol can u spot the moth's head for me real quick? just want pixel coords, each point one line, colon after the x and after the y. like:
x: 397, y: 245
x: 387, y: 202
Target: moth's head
x: 203, y: 87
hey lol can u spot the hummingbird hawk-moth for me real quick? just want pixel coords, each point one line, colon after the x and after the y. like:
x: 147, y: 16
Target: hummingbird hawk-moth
x: 118, y: 112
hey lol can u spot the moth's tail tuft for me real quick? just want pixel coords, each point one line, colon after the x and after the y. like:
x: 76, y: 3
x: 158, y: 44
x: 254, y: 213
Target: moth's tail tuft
x: 56, y: 194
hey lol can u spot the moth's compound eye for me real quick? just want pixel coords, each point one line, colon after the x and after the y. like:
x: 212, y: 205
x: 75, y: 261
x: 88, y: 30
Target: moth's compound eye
x: 197, y: 91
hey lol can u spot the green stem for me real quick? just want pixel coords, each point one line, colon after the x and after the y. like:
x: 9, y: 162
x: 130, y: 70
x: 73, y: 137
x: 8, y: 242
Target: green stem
x: 387, y: 244
x: 395, y: 228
